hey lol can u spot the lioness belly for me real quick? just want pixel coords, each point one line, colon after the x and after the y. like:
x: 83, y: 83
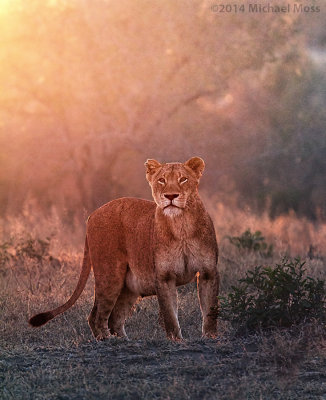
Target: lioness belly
x: 142, y: 286
x: 146, y: 287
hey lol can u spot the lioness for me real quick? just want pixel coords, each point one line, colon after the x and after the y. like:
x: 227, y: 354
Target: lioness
x: 143, y: 248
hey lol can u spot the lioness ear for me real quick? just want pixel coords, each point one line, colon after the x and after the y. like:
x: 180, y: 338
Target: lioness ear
x: 197, y: 165
x: 151, y: 166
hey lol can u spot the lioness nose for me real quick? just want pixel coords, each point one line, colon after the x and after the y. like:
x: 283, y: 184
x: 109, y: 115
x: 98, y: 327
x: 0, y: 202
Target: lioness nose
x: 171, y: 196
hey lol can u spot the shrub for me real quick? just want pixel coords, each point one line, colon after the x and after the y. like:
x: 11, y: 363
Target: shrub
x: 274, y: 297
x: 25, y: 247
x: 37, y: 249
x: 4, y: 253
x: 252, y: 242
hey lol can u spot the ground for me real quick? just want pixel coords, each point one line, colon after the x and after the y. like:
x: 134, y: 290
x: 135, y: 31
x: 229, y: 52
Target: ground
x: 118, y: 369
x: 61, y: 360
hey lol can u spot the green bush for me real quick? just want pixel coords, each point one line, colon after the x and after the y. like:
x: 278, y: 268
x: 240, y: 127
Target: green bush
x: 252, y: 242
x: 18, y: 249
x: 33, y: 248
x: 5, y: 255
x: 278, y: 296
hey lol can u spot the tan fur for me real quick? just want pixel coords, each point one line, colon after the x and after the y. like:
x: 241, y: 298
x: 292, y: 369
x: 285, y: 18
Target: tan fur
x: 142, y: 248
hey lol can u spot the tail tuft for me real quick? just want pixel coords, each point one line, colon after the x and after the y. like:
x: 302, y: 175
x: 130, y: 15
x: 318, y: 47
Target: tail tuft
x: 41, y: 319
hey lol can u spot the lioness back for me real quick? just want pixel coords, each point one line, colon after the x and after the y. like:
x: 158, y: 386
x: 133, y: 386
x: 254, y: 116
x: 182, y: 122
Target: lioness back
x: 121, y: 232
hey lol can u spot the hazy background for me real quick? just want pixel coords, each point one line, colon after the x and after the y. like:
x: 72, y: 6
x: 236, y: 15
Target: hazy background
x: 89, y: 89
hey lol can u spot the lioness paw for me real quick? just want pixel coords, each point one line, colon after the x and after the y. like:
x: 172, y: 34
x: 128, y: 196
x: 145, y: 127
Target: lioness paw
x: 103, y: 336
x: 209, y: 335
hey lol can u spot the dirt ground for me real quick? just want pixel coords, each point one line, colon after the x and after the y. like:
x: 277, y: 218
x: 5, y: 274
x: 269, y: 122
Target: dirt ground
x: 119, y: 369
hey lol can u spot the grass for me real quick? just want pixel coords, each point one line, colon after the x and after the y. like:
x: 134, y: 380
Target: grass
x: 62, y: 361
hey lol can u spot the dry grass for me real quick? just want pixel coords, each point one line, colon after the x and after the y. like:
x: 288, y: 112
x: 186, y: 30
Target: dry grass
x: 287, y: 232
x: 61, y: 360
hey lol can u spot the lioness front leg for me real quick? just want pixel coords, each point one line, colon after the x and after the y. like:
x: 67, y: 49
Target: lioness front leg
x: 167, y: 299
x: 208, y: 288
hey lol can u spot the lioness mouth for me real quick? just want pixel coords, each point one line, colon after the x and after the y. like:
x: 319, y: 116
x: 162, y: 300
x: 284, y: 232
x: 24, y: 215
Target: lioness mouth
x: 171, y: 210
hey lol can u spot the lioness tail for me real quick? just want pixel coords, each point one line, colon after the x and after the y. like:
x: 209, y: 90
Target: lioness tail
x: 43, y: 318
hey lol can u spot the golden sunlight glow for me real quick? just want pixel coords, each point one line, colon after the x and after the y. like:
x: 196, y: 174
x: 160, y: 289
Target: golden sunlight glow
x: 89, y: 90
x: 4, y: 5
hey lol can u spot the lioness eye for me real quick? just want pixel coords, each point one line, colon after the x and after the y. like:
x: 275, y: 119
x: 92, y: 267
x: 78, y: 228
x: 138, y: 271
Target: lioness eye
x: 161, y: 181
x: 183, y: 180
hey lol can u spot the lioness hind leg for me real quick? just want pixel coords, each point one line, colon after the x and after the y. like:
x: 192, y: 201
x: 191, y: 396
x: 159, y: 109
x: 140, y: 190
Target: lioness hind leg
x: 92, y: 319
x: 121, y: 311
x: 107, y: 291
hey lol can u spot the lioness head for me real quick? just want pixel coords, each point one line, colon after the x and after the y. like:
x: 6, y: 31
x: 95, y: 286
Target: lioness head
x: 174, y: 184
